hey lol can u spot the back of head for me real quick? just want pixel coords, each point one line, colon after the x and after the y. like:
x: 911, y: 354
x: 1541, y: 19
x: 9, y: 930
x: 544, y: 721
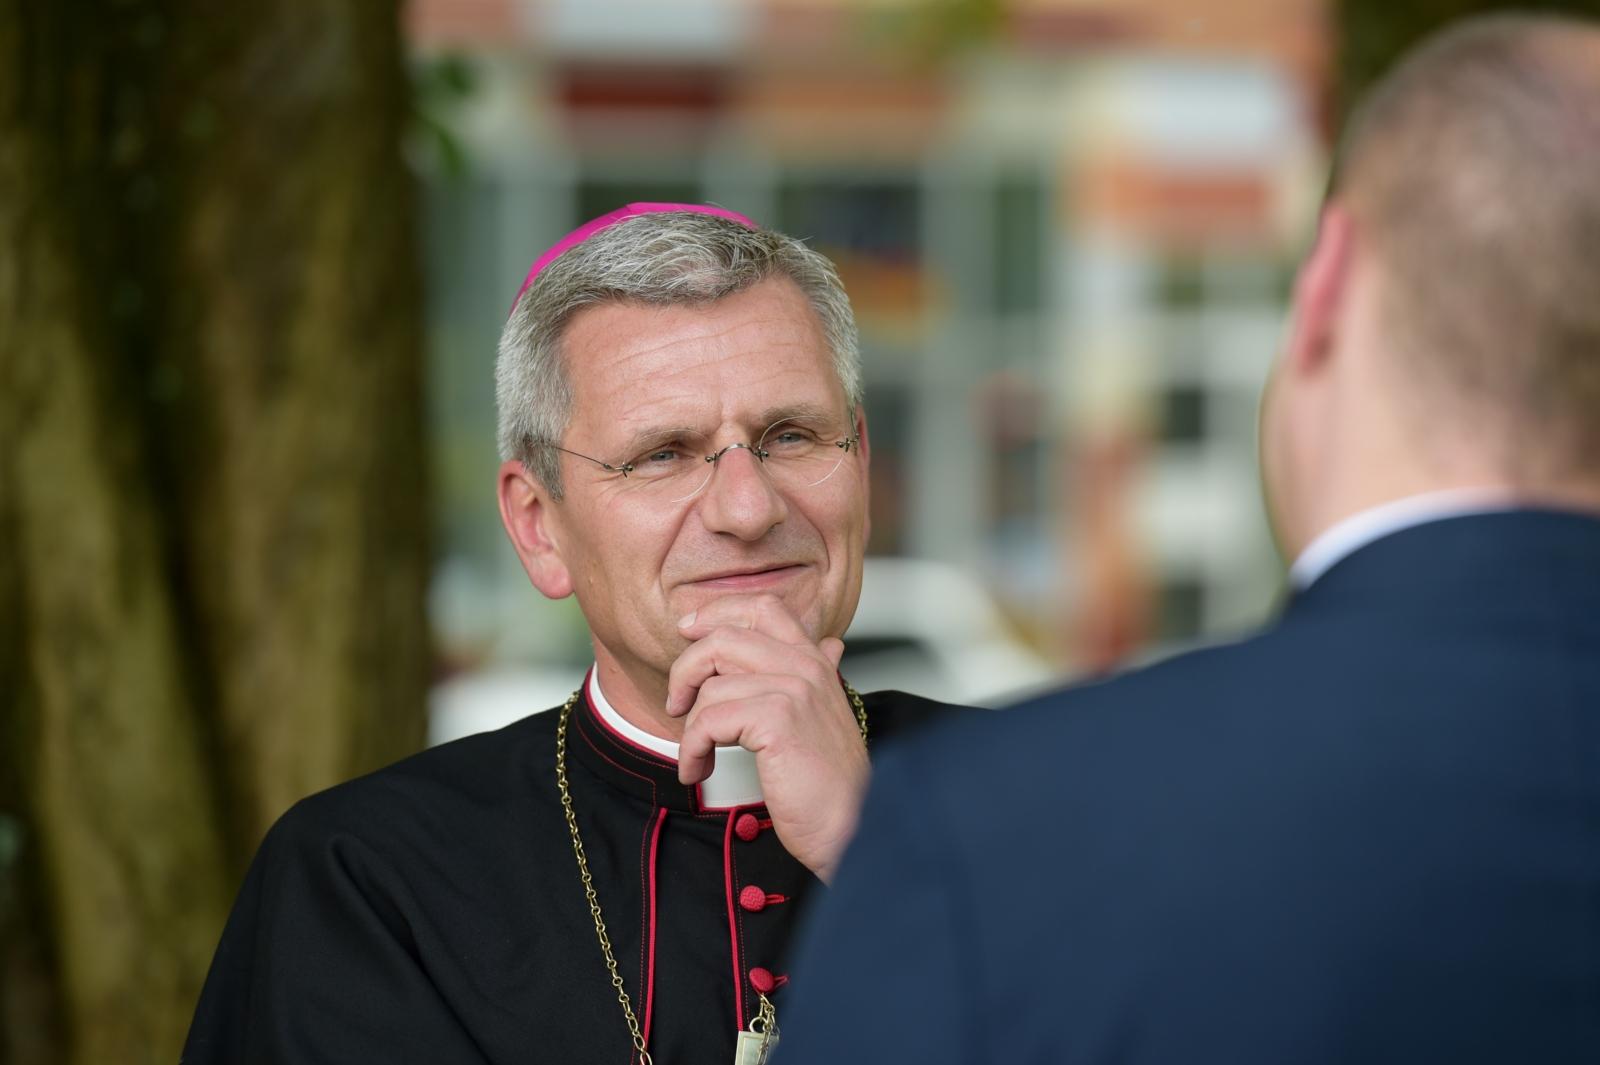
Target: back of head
x: 1473, y: 178
x: 666, y: 257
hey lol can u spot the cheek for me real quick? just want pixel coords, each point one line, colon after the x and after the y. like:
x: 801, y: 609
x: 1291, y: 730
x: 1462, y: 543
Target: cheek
x: 1280, y: 439
x: 639, y: 547
x: 1267, y: 438
x: 1271, y: 429
x: 853, y: 498
x: 620, y: 549
x: 841, y: 522
x: 841, y: 517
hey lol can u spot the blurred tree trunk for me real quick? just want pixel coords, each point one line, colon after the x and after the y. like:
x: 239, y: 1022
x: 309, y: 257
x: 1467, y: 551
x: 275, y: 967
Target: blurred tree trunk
x: 212, y: 523
x: 1374, y: 33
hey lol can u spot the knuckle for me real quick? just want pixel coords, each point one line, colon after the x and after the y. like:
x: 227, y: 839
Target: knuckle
x: 786, y: 700
x: 688, y: 660
x: 769, y: 611
x: 819, y: 674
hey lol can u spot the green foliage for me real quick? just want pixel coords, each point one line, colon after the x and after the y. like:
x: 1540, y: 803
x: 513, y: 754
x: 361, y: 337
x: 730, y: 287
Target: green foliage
x: 932, y: 31
x: 439, y: 86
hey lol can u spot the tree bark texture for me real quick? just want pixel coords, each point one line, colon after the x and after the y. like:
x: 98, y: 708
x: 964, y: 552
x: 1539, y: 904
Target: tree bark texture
x: 212, y: 523
x: 1373, y: 34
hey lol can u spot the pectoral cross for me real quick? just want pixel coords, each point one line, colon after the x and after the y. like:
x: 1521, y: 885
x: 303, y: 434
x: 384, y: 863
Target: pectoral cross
x: 754, y: 1048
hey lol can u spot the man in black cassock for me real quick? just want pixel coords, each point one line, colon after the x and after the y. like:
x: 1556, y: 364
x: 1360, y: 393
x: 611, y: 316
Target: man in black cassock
x: 617, y: 879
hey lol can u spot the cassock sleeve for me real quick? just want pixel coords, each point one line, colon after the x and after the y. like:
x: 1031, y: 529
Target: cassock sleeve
x: 888, y: 970
x: 318, y: 963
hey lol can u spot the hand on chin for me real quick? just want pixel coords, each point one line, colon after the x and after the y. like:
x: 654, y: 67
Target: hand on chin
x: 755, y: 677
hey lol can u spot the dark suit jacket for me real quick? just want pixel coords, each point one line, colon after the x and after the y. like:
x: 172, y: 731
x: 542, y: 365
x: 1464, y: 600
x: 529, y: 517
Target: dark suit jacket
x: 1369, y: 834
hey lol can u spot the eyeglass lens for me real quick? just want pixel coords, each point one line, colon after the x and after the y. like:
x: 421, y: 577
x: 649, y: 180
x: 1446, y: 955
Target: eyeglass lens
x: 793, y: 455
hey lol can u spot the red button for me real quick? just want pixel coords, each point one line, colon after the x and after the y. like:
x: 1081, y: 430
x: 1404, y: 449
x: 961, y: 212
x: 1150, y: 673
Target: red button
x: 762, y: 981
x: 747, y: 827
x: 753, y: 899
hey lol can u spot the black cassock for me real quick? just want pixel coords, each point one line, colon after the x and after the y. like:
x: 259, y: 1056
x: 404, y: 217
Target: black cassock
x: 432, y: 911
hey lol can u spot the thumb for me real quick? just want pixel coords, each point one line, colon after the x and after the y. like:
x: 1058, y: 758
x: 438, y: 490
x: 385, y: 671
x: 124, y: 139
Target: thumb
x: 833, y: 647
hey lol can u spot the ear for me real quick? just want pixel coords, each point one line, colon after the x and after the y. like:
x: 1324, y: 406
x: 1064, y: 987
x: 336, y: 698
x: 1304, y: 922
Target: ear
x: 527, y: 512
x: 861, y: 431
x: 1319, y: 292
x: 866, y: 482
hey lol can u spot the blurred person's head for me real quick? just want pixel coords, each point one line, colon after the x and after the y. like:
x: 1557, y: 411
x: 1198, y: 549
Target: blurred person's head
x: 1446, y: 323
x: 649, y: 345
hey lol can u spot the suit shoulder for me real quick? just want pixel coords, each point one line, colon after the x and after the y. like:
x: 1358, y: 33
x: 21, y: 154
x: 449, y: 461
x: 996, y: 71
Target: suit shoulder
x: 1160, y: 685
x: 1136, y: 753
x: 896, y: 714
x: 1125, y: 706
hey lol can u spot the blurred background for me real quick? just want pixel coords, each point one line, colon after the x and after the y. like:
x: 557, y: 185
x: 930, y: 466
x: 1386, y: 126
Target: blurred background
x: 1067, y: 229
x: 253, y: 264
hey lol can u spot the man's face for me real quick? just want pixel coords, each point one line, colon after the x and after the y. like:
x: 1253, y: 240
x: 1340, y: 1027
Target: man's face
x: 721, y: 371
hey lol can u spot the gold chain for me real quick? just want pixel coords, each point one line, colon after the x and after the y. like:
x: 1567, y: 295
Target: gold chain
x: 767, y: 1016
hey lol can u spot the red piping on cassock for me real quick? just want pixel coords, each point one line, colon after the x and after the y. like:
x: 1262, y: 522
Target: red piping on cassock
x: 733, y: 920
x: 650, y: 982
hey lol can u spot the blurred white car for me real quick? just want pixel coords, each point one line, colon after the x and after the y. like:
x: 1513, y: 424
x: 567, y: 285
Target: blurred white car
x: 921, y: 627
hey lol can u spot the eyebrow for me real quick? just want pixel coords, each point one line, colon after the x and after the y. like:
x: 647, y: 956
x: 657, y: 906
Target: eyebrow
x: 647, y: 437
x: 795, y: 412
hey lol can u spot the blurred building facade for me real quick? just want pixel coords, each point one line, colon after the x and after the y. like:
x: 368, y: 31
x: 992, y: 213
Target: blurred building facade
x: 1067, y: 227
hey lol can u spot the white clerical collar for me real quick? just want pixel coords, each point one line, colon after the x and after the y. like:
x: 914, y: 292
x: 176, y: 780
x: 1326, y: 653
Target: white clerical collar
x: 733, y: 780
x: 1346, y: 537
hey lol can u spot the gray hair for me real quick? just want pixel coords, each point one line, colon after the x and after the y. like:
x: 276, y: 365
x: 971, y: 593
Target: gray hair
x: 664, y: 258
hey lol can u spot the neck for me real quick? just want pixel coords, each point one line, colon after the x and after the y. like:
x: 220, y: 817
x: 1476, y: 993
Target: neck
x: 1370, y: 454
x: 734, y: 781
x: 1383, y: 519
x: 639, y: 696
x: 1470, y: 489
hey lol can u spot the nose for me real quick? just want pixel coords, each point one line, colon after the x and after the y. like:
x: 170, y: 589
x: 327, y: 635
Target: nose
x: 741, y: 499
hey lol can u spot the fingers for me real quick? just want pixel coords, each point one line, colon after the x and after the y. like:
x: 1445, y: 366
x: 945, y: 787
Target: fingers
x: 833, y: 647
x: 760, y: 712
x: 731, y: 651
x: 726, y: 651
x: 744, y: 634
x: 739, y: 715
x: 761, y: 613
x: 698, y: 749
x: 693, y: 768
x: 808, y: 752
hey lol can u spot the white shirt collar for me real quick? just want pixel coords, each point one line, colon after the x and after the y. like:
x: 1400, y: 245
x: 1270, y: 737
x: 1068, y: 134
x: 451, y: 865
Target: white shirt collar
x: 1346, y: 537
x: 733, y: 780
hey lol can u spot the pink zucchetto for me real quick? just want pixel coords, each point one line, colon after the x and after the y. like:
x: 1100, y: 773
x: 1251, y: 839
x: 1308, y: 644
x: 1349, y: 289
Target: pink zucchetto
x: 606, y: 221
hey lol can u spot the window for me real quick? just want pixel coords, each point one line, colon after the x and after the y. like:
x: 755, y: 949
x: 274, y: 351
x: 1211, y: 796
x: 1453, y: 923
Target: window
x: 1183, y: 414
x: 1021, y: 219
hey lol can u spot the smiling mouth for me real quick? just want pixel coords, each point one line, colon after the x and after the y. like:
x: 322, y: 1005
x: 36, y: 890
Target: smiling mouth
x: 749, y: 578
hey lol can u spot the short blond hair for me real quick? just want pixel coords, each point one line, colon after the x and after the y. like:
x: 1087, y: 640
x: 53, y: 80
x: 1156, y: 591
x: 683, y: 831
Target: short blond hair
x: 1473, y: 175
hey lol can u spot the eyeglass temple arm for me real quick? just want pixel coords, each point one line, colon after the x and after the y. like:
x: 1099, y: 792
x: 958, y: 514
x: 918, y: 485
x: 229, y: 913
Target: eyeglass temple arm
x: 625, y: 469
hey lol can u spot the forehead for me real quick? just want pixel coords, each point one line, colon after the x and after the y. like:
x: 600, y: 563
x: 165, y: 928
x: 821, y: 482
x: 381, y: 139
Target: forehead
x: 635, y: 366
